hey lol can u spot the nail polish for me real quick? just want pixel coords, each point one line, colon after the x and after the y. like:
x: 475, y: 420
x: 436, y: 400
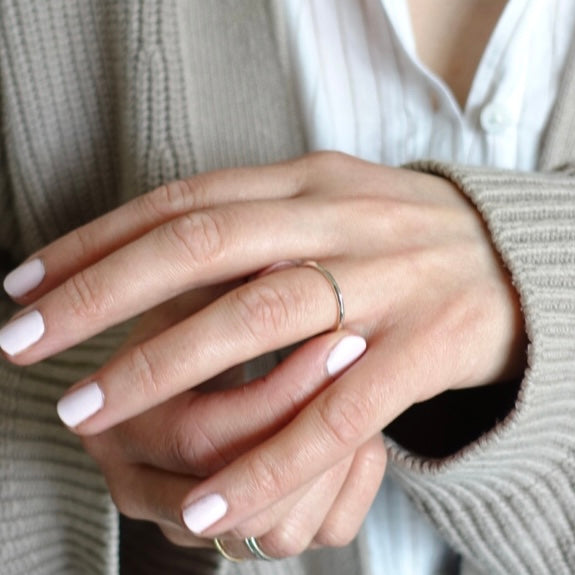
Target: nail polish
x: 345, y: 353
x: 76, y: 406
x: 24, y: 278
x: 22, y: 332
x: 204, y: 512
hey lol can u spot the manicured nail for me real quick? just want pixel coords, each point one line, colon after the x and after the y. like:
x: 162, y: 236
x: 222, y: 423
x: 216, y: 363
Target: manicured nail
x: 21, y: 332
x: 80, y: 404
x: 345, y: 353
x: 204, y: 512
x: 24, y: 278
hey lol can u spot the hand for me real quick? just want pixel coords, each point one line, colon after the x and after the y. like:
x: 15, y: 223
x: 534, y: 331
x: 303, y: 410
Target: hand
x: 411, y: 255
x: 150, y: 461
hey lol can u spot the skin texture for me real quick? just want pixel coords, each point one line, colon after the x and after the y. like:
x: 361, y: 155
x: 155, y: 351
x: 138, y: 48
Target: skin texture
x: 285, y: 453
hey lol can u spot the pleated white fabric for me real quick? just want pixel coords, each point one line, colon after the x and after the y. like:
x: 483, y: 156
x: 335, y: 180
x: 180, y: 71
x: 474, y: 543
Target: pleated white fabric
x: 363, y: 90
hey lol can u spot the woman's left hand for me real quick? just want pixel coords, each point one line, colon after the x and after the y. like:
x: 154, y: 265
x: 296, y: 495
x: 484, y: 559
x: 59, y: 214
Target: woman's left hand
x: 151, y: 461
x: 419, y: 276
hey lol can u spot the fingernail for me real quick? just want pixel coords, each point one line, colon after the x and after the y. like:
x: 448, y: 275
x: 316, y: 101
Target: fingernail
x: 80, y: 404
x: 204, y: 512
x: 24, y: 278
x: 345, y: 353
x: 22, y: 332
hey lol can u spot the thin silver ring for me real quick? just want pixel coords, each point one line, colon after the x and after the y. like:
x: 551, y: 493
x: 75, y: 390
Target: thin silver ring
x: 334, y: 286
x: 255, y: 549
x: 218, y: 544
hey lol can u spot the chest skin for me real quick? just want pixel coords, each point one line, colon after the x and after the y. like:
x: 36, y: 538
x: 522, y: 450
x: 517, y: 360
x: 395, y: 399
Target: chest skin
x: 451, y: 36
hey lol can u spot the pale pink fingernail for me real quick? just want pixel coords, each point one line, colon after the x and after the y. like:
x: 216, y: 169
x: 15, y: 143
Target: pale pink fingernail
x: 204, y: 512
x: 22, y: 332
x: 24, y: 278
x: 80, y: 404
x: 345, y: 353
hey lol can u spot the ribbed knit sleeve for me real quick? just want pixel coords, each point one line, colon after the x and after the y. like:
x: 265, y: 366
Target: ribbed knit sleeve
x: 56, y: 515
x: 507, y: 500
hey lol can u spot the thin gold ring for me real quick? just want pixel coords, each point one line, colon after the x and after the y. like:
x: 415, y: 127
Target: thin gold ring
x: 334, y: 286
x: 254, y: 547
x: 218, y: 544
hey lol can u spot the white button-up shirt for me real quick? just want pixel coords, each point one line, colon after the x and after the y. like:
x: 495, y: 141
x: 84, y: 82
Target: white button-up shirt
x: 364, y: 90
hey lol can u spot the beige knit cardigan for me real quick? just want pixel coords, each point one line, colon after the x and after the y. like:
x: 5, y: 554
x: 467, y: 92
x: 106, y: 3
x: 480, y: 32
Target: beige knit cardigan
x: 101, y: 100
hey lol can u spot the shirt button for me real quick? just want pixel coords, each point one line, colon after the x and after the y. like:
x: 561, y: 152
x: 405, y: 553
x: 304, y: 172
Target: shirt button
x: 494, y: 119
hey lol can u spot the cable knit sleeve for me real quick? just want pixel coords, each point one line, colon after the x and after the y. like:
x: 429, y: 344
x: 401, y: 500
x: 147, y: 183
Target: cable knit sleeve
x: 507, y: 499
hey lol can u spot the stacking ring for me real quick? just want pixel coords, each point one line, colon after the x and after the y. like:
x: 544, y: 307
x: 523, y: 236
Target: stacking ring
x: 252, y: 545
x: 255, y: 549
x: 334, y: 286
x: 218, y: 544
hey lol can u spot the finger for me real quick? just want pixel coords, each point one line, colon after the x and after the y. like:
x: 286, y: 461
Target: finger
x: 87, y: 244
x: 340, y: 419
x: 261, y: 316
x: 181, y: 537
x: 347, y: 513
x: 292, y: 532
x: 298, y: 528
x: 197, y: 249
x: 199, y: 433
x: 146, y: 493
x: 172, y: 312
x: 149, y: 494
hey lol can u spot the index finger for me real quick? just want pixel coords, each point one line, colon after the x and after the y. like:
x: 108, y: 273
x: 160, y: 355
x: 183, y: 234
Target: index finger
x: 87, y: 244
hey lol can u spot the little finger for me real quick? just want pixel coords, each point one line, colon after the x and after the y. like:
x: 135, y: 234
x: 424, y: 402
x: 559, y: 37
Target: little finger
x: 346, y: 515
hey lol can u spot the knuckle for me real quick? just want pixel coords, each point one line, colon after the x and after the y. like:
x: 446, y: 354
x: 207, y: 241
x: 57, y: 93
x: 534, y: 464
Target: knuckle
x: 123, y: 501
x: 183, y: 449
x: 194, y: 450
x: 145, y: 377
x: 164, y: 201
x: 267, y: 479
x: 344, y: 415
x: 85, y: 241
x: 373, y: 457
x: 329, y: 160
x: 199, y: 235
x: 86, y: 295
x: 175, y: 197
x: 121, y: 495
x: 285, y: 541
x: 335, y: 533
x: 95, y: 447
x: 265, y: 311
